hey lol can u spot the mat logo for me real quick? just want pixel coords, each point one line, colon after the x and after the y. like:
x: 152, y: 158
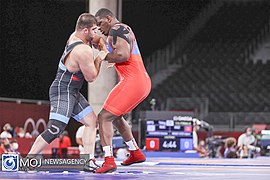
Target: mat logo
x: 10, y: 162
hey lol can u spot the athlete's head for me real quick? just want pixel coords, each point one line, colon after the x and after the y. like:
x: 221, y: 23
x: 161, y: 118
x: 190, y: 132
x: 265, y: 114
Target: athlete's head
x: 248, y: 131
x: 104, y: 20
x: 230, y: 142
x: 87, y: 25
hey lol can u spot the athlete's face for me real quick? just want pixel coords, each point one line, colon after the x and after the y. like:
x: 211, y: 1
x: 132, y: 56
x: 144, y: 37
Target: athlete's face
x: 91, y: 31
x: 104, y: 25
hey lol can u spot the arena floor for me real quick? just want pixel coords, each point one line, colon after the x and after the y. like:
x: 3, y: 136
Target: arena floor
x: 166, y: 168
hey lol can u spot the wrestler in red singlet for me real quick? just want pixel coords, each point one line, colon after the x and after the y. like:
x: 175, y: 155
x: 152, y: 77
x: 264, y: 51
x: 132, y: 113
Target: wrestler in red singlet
x: 134, y: 83
x: 133, y: 87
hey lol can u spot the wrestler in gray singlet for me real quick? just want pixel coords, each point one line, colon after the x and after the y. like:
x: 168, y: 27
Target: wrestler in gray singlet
x: 65, y: 98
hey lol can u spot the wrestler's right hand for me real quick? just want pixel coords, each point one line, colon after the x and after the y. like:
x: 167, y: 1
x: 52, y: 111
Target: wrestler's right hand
x: 102, y: 54
x: 110, y: 65
x: 99, y: 43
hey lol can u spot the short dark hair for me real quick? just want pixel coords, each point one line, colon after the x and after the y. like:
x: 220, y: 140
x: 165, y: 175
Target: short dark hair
x: 13, y: 141
x: 103, y: 12
x: 246, y: 128
x: 85, y: 20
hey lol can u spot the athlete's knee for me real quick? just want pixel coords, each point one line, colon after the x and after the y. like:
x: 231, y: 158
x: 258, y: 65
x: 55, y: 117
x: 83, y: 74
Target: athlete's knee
x: 92, y: 124
x: 118, y: 121
x: 90, y: 120
x: 55, y: 128
x: 105, y: 116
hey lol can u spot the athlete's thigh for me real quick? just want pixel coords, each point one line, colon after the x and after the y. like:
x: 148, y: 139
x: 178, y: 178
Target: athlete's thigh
x: 62, y: 105
x: 81, y: 108
x: 122, y: 99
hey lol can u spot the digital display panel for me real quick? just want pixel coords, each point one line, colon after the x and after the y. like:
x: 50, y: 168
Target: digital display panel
x: 177, y: 128
x: 172, y: 135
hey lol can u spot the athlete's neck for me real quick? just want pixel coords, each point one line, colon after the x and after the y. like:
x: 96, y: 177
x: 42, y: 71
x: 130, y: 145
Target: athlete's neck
x: 114, y: 22
x: 81, y: 37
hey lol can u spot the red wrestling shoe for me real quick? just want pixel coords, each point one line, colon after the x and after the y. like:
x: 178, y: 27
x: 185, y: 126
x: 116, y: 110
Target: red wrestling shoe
x: 108, y: 166
x: 134, y: 157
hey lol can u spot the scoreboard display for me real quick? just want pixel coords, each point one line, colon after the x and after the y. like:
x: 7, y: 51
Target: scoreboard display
x: 169, y: 135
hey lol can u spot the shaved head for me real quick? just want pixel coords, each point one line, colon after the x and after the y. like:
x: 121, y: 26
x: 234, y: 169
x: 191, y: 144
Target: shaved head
x: 103, y: 12
x: 85, y: 20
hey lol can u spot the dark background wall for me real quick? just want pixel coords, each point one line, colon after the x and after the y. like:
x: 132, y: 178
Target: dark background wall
x: 157, y: 22
x: 33, y: 35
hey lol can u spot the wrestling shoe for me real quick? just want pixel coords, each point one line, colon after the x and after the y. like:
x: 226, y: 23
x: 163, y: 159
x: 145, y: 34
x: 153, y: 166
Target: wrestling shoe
x: 90, y: 165
x: 134, y: 157
x: 108, y: 166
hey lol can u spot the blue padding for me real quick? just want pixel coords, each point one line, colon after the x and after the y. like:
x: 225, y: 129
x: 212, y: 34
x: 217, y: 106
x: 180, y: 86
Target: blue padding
x: 109, y: 47
x: 170, y: 154
x: 62, y: 66
x: 135, y: 49
x: 210, y: 164
x: 59, y: 117
x: 83, y: 113
x: 118, y: 142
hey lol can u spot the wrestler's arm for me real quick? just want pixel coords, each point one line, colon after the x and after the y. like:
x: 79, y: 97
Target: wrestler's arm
x: 97, y: 64
x: 89, y: 67
x: 99, y: 43
x: 79, y: 141
x: 119, y: 39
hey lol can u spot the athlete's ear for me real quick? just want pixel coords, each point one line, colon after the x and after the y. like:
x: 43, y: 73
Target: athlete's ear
x: 85, y: 30
x: 109, y: 18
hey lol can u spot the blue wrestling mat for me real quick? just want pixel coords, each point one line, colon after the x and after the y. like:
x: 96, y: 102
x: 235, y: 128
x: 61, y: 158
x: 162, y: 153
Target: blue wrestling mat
x: 164, y: 168
x: 170, y: 154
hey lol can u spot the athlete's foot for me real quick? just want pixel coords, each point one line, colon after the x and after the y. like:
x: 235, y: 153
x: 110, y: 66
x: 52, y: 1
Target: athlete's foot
x: 134, y: 157
x: 108, y: 166
x: 90, y: 165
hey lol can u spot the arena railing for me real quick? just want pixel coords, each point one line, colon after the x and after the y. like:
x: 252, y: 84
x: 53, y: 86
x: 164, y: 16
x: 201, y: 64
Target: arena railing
x: 19, y: 100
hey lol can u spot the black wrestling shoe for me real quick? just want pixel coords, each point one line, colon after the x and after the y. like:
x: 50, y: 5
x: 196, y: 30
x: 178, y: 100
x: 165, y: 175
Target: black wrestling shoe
x: 90, y: 166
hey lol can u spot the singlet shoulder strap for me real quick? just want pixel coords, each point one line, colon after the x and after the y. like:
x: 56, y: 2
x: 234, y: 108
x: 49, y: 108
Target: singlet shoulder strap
x: 71, y: 46
x: 68, y: 49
